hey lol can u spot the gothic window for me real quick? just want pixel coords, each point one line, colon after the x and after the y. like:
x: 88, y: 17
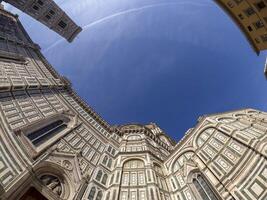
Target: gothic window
x: 134, y: 137
x: 62, y: 24
x: 125, y: 179
x: 133, y: 175
x: 41, y: 135
x: 149, y: 175
x: 109, y: 163
x: 117, y: 177
x: 108, y: 196
x: 203, y: 188
x: 133, y: 164
x: 105, y: 160
x: 142, y: 195
x: 104, y: 179
x: 41, y: 3
x: 111, y: 179
x: 99, y: 175
x: 133, y: 178
x: 173, y: 184
x: 141, y: 178
x: 35, y: 7
x: 92, y: 194
x: 99, y: 195
x: 133, y: 195
x: 53, y: 183
x: 159, y: 177
x: 124, y: 195
x: 152, y: 194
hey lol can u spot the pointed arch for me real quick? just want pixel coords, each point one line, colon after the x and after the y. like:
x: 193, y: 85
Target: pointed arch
x: 92, y: 192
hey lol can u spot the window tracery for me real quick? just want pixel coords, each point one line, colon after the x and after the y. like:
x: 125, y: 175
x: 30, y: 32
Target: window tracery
x: 104, y: 179
x: 101, y: 177
x: 133, y: 175
x: 43, y: 134
x: 203, y: 188
x: 92, y: 193
x: 134, y: 137
x: 99, y: 195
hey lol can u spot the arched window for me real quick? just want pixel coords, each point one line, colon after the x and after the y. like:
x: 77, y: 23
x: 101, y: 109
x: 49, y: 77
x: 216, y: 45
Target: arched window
x: 111, y: 179
x: 134, y: 164
x: 133, y: 175
x: 104, y: 179
x: 152, y: 194
x: 173, y: 184
x: 41, y: 135
x: 109, y: 163
x: 105, y: 160
x: 92, y: 194
x: 108, y: 196
x: 99, y: 195
x: 99, y: 175
x: 134, y: 137
x: 203, y: 188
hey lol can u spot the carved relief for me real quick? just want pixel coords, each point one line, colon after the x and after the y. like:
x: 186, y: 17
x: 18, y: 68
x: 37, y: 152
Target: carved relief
x: 52, y: 182
x: 67, y: 165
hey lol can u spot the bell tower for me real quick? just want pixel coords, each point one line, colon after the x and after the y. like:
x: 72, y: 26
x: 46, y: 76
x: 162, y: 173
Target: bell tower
x: 50, y: 14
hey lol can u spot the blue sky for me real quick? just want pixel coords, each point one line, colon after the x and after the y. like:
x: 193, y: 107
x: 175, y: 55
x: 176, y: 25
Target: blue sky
x: 145, y: 61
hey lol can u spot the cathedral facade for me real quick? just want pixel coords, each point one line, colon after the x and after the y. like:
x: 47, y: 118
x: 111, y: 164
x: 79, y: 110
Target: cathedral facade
x: 54, y: 146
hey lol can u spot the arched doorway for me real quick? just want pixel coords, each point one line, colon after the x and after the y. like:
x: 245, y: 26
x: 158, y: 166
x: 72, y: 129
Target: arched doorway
x: 32, y: 194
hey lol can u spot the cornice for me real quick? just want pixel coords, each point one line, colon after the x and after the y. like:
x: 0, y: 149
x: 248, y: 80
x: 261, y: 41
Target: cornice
x: 142, y: 130
x: 89, y: 109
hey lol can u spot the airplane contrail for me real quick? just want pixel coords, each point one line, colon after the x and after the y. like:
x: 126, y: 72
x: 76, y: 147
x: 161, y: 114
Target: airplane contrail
x: 129, y: 11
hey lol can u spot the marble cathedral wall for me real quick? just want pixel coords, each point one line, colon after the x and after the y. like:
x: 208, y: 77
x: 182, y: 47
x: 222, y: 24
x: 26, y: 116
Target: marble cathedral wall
x: 53, y: 144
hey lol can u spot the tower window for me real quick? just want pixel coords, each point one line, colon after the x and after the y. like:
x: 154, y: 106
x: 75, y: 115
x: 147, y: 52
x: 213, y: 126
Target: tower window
x: 261, y: 5
x: 241, y: 16
x: 238, y: 1
x: 52, y: 12
x: 249, y: 11
x: 250, y: 29
x: 258, y: 24
x: 264, y: 38
x: 43, y: 134
x: 48, y: 17
x: 92, y: 194
x: 35, y: 7
x: 40, y: 2
x: 62, y: 24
